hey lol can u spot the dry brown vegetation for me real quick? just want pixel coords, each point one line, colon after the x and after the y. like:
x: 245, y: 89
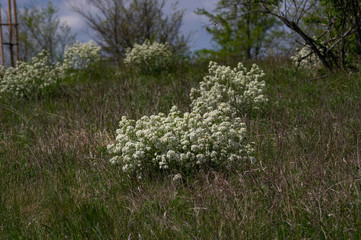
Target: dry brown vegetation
x: 56, y: 181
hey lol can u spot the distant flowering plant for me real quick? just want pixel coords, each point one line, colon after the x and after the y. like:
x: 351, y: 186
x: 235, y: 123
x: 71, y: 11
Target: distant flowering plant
x: 149, y: 57
x: 28, y: 79
x: 81, y: 55
x: 306, y: 58
x: 211, y: 134
x: 31, y: 79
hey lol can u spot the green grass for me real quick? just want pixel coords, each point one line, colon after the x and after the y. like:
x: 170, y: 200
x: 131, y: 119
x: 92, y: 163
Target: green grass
x: 56, y: 181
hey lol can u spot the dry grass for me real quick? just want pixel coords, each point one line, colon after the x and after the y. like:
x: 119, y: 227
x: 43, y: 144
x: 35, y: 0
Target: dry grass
x: 56, y: 181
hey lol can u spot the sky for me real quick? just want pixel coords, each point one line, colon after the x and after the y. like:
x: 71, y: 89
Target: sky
x: 192, y: 23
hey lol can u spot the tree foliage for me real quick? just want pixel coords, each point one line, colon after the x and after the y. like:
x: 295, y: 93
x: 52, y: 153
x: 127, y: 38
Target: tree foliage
x: 119, y: 24
x: 40, y: 28
x: 240, y: 34
x: 342, y: 29
x: 332, y: 29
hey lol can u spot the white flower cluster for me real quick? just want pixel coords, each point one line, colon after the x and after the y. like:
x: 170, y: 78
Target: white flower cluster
x: 81, y: 55
x: 206, y: 136
x: 241, y: 89
x: 148, y: 56
x: 29, y: 79
x: 181, y: 142
x: 305, y: 58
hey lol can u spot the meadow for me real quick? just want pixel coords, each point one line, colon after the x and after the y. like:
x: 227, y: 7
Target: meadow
x: 56, y: 180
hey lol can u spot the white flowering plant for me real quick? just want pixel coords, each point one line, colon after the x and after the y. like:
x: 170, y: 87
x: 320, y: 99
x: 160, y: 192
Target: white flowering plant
x: 81, y: 55
x: 210, y: 135
x: 29, y: 79
x: 181, y: 142
x: 305, y: 58
x: 149, y: 57
x: 34, y: 78
x: 240, y: 88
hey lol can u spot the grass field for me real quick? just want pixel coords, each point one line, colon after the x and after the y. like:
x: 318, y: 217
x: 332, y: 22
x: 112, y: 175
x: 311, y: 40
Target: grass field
x: 56, y: 181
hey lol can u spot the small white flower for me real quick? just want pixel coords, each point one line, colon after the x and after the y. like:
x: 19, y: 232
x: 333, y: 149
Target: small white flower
x: 306, y: 58
x: 177, y: 177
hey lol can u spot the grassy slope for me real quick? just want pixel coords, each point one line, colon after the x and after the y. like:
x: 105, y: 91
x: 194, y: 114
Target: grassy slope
x: 56, y: 181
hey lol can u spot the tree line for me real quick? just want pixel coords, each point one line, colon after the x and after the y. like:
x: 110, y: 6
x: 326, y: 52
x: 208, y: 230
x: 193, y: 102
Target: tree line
x: 242, y: 29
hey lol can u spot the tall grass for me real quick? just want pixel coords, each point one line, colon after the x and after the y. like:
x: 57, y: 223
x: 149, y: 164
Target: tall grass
x: 56, y: 181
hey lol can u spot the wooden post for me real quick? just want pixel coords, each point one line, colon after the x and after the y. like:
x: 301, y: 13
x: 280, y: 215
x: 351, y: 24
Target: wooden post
x: 10, y: 35
x: 1, y: 40
x: 16, y: 32
x: 13, y: 33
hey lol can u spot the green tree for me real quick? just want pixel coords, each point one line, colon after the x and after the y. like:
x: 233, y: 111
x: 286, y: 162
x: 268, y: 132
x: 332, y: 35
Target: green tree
x: 239, y: 34
x: 339, y: 28
x: 119, y: 24
x: 331, y: 28
x: 40, y: 28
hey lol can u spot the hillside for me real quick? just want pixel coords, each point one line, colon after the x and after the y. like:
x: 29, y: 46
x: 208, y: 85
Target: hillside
x: 57, y: 181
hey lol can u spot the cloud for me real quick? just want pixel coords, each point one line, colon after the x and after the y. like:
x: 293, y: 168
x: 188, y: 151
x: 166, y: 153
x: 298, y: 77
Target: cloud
x: 196, y: 24
x: 75, y: 22
x: 192, y: 23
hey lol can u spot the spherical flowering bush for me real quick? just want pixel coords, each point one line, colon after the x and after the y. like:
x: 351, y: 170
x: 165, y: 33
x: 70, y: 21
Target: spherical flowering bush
x: 241, y: 89
x: 149, y: 57
x: 306, y: 58
x: 29, y: 79
x: 81, y: 55
x: 209, y: 135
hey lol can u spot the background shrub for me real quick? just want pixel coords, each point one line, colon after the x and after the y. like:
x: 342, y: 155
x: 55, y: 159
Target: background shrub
x: 34, y: 78
x: 150, y: 57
